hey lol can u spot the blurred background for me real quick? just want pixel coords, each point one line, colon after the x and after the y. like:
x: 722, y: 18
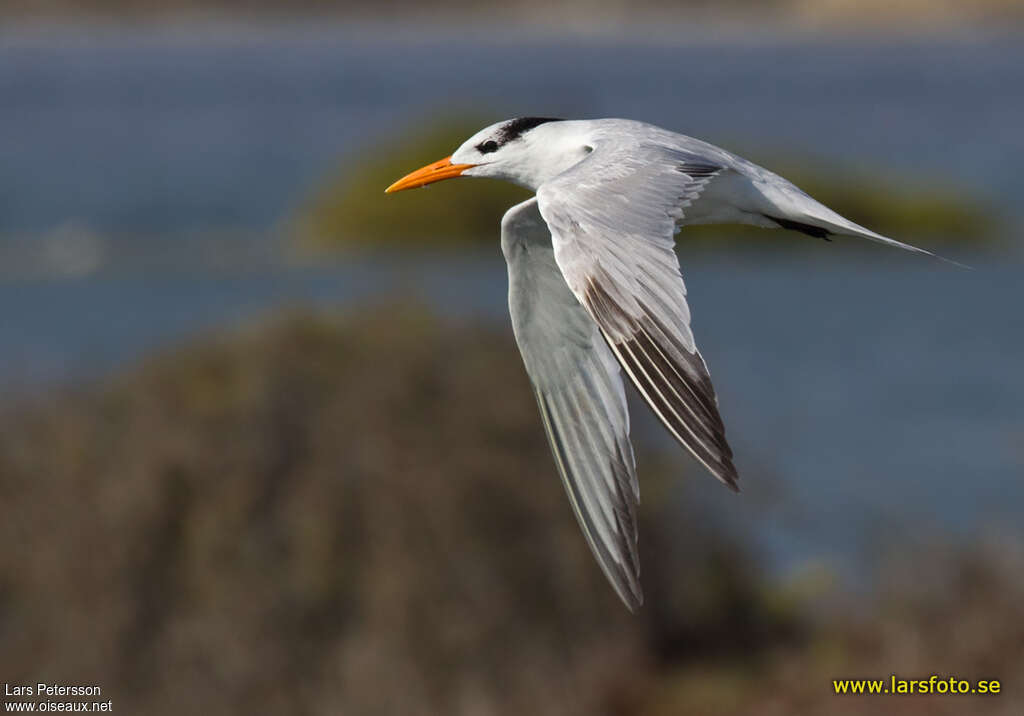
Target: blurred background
x: 265, y: 440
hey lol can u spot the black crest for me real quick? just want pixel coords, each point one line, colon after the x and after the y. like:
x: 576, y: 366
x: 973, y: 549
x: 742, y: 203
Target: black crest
x: 513, y: 130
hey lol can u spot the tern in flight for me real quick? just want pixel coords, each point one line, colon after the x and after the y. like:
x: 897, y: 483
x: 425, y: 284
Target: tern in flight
x: 595, y: 287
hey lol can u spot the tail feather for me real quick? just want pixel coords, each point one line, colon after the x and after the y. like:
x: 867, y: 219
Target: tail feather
x: 811, y: 216
x: 862, y: 233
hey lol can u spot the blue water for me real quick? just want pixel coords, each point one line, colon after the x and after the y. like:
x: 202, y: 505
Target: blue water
x: 164, y: 131
x: 144, y: 178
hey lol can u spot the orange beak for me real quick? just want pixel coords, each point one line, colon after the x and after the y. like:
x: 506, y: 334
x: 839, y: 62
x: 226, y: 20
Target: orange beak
x: 441, y: 169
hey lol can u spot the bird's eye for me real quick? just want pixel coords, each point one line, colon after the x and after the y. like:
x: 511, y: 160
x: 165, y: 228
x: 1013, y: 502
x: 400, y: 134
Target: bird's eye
x: 489, y: 146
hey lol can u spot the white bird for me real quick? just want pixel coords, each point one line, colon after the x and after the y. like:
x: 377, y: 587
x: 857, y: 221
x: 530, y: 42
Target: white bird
x: 595, y: 285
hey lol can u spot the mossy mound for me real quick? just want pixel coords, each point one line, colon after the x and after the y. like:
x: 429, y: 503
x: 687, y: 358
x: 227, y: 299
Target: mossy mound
x: 352, y: 211
x: 331, y: 503
x: 361, y: 516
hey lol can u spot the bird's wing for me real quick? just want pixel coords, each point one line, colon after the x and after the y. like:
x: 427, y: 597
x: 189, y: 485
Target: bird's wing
x: 612, y: 218
x: 581, y: 398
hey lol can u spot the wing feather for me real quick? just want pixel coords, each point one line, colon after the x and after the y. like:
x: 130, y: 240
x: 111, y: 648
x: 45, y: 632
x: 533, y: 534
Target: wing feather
x: 581, y: 398
x: 612, y: 219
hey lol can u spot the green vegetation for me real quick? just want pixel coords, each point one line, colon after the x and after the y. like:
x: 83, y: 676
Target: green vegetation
x: 321, y: 515
x: 352, y: 211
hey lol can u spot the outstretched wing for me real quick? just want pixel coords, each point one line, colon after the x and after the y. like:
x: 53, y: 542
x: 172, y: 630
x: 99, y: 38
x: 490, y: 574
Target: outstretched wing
x: 612, y: 218
x: 581, y: 398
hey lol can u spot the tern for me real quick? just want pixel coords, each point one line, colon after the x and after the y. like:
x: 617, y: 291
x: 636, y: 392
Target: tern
x: 595, y: 288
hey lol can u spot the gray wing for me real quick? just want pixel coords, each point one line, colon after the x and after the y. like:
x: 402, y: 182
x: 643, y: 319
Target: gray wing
x: 612, y: 219
x: 581, y: 398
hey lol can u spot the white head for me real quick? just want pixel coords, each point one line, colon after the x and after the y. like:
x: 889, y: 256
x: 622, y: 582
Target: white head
x: 526, y: 151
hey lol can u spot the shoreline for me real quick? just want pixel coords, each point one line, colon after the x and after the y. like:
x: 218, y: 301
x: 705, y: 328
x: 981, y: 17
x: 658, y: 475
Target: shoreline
x: 701, y: 29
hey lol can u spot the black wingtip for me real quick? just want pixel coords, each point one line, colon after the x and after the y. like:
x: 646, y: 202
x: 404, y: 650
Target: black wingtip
x: 809, y: 229
x: 633, y: 600
x: 727, y: 475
